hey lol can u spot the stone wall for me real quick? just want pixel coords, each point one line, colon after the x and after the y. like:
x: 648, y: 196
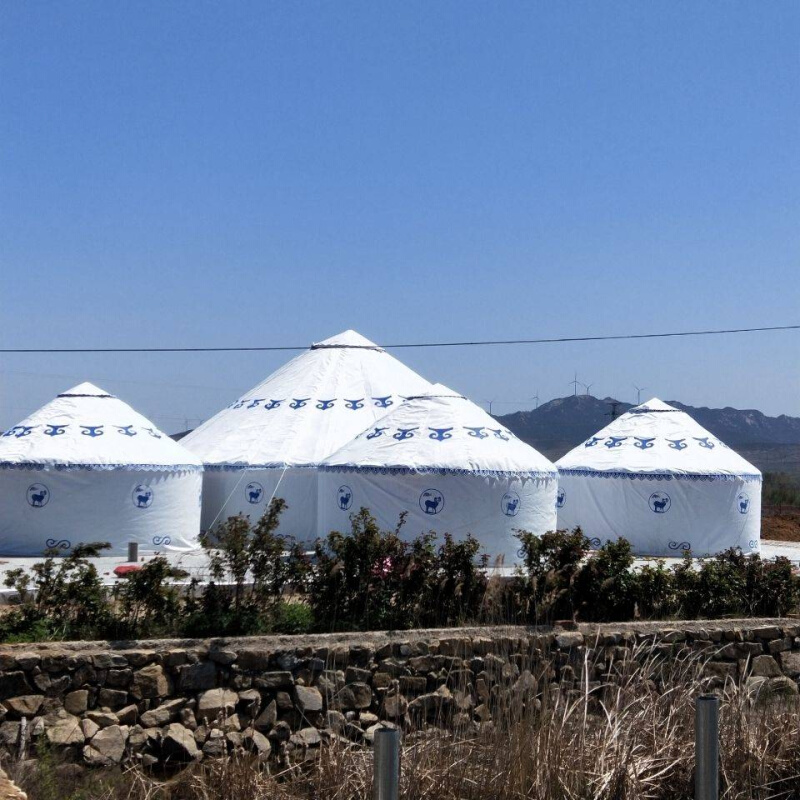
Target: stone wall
x: 104, y: 703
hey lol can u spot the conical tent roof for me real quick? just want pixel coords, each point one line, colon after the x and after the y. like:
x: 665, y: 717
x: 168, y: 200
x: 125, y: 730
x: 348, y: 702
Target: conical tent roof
x: 309, y: 407
x: 441, y: 431
x: 86, y: 427
x: 656, y: 438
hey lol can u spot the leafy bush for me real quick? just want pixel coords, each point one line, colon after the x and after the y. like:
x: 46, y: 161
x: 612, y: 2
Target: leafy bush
x: 546, y: 580
x: 605, y: 586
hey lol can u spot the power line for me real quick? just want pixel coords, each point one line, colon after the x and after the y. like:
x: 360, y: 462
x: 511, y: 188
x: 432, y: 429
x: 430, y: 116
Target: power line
x: 477, y: 343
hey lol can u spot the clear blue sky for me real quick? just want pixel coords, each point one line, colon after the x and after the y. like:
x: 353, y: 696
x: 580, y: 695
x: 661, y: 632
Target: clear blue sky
x: 192, y: 173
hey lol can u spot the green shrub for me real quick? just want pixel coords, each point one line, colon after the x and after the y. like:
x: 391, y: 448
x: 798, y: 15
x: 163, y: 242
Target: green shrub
x: 605, y: 586
x: 545, y: 583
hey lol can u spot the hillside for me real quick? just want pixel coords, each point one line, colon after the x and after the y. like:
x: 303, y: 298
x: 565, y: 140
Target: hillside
x: 771, y: 443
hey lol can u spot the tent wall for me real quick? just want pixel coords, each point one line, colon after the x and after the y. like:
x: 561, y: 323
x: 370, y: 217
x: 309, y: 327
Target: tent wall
x: 489, y: 507
x: 228, y: 491
x: 664, y: 517
x: 160, y: 510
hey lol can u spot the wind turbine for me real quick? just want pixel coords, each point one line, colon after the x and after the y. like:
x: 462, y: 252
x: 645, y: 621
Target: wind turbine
x: 639, y: 390
x: 587, y: 386
x: 490, y: 406
x: 536, y: 399
x: 574, y: 383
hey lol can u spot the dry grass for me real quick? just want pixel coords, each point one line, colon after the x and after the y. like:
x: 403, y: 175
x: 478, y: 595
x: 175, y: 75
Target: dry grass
x: 616, y: 741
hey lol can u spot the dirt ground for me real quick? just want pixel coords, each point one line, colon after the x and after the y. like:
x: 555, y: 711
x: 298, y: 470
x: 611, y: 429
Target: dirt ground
x: 782, y: 526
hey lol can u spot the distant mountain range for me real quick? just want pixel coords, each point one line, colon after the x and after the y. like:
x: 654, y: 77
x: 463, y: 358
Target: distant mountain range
x: 771, y: 443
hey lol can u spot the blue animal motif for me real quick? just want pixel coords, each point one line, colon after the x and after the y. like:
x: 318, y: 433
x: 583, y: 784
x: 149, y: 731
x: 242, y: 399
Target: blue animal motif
x: 659, y: 502
x: 432, y: 505
x: 743, y: 502
x: 125, y: 430
x: 376, y: 433
x: 510, y: 504
x: 298, y: 402
x: 161, y: 540
x: 593, y: 441
x: 254, y: 403
x: 92, y: 430
x: 477, y: 432
x: 704, y: 442
x: 254, y: 492
x: 354, y: 405
x: 272, y: 404
x: 143, y: 495
x: 677, y: 444
x: 38, y: 495
x: 644, y: 442
x: 498, y: 434
x: 345, y: 497
x: 324, y: 405
x: 561, y: 498
x: 383, y: 402
x: 614, y: 441
x: 431, y: 501
x: 440, y: 434
x: 404, y: 433
x: 55, y: 430
x: 154, y: 433
x: 58, y: 544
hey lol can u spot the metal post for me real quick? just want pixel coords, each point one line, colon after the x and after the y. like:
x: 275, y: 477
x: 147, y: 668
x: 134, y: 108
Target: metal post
x: 706, y: 729
x: 133, y: 552
x: 386, y: 784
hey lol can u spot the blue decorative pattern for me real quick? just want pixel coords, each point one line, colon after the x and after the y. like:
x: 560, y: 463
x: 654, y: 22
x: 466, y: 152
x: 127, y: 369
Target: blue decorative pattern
x: 486, y: 473
x: 661, y: 476
x: 376, y: 433
x: 614, y: 441
x: 404, y: 433
x: 324, y: 405
x: 354, y: 405
x: 440, y: 434
x: 32, y: 465
x: 55, y: 430
x: 383, y: 402
x: 477, y: 432
x: 646, y: 442
x: 298, y: 402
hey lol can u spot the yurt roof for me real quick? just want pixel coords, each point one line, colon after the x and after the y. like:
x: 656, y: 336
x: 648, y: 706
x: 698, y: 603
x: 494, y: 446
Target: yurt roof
x: 442, y: 432
x: 309, y: 407
x: 657, y: 438
x: 88, y: 428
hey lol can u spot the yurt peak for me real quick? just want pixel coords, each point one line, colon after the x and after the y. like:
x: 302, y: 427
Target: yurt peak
x: 654, y: 405
x: 346, y: 339
x: 438, y: 391
x: 85, y: 389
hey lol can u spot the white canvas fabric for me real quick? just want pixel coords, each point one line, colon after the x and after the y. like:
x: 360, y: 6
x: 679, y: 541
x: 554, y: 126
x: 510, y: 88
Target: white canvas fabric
x: 271, y: 441
x: 451, y: 466
x: 87, y: 467
x: 663, y: 482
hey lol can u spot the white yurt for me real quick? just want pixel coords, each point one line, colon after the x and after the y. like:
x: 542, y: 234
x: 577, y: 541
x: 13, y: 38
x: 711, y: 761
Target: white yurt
x: 269, y: 443
x: 663, y: 482
x: 87, y: 468
x: 451, y: 466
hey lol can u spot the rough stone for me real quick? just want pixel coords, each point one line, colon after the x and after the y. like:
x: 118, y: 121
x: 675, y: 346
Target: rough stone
x: 106, y: 748
x: 77, y: 702
x: 178, y: 744
x: 306, y: 737
x: 256, y: 742
x: 308, y: 699
x: 26, y: 705
x: 569, y: 639
x: 196, y: 677
x: 765, y: 667
x: 13, y: 685
x: 274, y: 680
x: 150, y: 682
x: 64, y: 731
x: 216, y: 702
